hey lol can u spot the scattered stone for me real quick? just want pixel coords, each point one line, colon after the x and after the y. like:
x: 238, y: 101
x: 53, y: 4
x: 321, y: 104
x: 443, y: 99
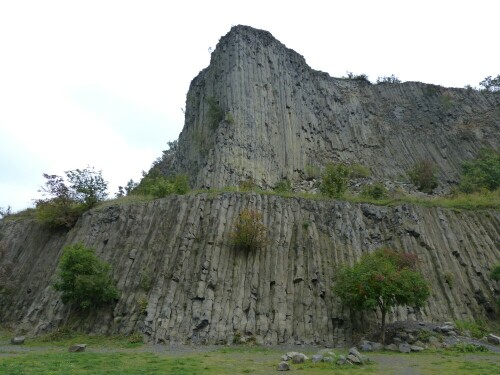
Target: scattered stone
x: 391, y: 347
x: 283, y: 366
x: 327, y: 353
x: 404, y: 347
x: 18, y: 340
x: 77, y: 348
x: 290, y: 355
x: 328, y: 359
x: 366, y: 347
x: 419, y: 343
x: 317, y: 358
x: 416, y: 348
x: 433, y: 340
x: 446, y: 328
x: 342, y: 360
x: 284, y: 357
x: 299, y: 358
x: 353, y: 359
x: 492, y: 339
x: 376, y: 346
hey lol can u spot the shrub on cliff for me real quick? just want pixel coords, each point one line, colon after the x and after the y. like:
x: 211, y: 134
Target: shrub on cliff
x: 423, y: 176
x: 376, y: 191
x: 381, y: 279
x: 249, y: 232
x: 491, y: 84
x: 335, y: 180
x: 159, y: 186
x: 481, y: 173
x: 62, y: 205
x: 84, y: 279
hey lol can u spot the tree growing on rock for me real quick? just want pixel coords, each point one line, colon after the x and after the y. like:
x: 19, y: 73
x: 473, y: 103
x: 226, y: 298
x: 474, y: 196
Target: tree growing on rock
x: 423, y: 176
x: 382, y: 279
x: 249, y: 232
x: 84, y: 279
x: 335, y: 180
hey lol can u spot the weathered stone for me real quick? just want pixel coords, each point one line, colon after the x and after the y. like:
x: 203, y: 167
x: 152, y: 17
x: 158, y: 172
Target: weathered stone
x: 283, y: 366
x: 77, y: 348
x: 342, y: 360
x: 376, y: 346
x: 18, y: 340
x: 353, y: 359
x: 328, y: 359
x: 299, y: 358
x: 493, y: 339
x: 446, y: 328
x: 392, y: 347
x: 416, y: 348
x: 317, y: 358
x: 404, y: 347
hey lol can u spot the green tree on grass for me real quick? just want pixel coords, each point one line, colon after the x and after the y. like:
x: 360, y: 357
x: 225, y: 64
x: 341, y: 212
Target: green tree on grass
x: 84, y: 279
x: 381, y: 279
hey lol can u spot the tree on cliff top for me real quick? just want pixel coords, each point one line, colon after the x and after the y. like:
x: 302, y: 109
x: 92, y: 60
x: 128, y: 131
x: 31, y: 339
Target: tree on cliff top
x: 384, y: 279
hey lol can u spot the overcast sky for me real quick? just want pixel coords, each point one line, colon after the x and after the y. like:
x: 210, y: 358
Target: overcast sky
x: 102, y: 83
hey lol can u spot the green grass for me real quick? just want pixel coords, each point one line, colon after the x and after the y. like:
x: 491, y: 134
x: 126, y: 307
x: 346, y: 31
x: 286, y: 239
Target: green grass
x: 114, y: 355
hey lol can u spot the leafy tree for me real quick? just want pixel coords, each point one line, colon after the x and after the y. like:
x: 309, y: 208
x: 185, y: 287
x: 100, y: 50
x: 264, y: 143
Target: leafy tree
x: 215, y: 113
x: 423, y: 176
x: 249, y: 232
x: 335, y: 180
x: 481, y: 173
x: 87, y: 186
x: 491, y: 84
x: 84, y: 279
x: 123, y: 191
x: 62, y: 205
x: 381, y: 279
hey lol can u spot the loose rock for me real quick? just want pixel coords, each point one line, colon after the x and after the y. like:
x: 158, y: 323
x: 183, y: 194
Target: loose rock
x: 18, y: 340
x: 77, y: 348
x: 283, y: 366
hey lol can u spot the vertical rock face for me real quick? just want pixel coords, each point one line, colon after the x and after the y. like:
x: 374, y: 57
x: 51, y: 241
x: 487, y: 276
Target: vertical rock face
x: 182, y: 281
x: 281, y: 118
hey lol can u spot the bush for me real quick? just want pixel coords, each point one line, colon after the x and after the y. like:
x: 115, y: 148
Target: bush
x: 283, y: 187
x: 495, y: 272
x: 335, y: 180
x: 87, y: 186
x: 376, y: 191
x: 476, y: 328
x: 159, y: 186
x: 215, y: 113
x: 358, y: 77
x: 390, y: 79
x: 358, y: 171
x: 58, y: 213
x: 84, y: 279
x: 481, y: 173
x: 465, y: 347
x: 423, y: 176
x: 249, y: 233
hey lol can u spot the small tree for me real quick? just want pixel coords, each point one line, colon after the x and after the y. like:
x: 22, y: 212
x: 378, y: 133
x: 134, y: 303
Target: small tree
x: 376, y: 191
x: 335, y: 180
x: 388, y: 79
x: 87, y: 186
x: 491, y: 84
x: 249, y: 232
x: 423, y: 176
x: 84, y: 279
x: 383, y: 279
x: 481, y: 173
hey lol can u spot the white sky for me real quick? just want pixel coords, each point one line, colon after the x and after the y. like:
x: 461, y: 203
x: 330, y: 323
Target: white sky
x: 102, y: 83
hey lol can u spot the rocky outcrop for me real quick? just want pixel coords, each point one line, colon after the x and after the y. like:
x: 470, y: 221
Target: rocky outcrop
x: 182, y: 281
x: 282, y: 119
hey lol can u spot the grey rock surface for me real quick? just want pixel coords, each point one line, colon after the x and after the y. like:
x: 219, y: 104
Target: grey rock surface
x: 404, y: 347
x: 202, y: 291
x: 283, y: 366
x: 77, y: 348
x: 493, y: 339
x: 286, y: 120
x: 18, y: 340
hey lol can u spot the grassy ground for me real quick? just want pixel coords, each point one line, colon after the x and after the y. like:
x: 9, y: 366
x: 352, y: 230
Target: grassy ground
x: 116, y: 355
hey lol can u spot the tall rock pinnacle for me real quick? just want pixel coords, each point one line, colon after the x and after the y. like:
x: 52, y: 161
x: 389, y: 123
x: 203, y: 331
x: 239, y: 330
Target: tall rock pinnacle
x: 259, y: 111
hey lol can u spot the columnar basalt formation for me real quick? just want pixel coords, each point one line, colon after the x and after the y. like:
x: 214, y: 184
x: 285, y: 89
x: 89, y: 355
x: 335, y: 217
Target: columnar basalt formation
x: 201, y: 290
x: 283, y: 118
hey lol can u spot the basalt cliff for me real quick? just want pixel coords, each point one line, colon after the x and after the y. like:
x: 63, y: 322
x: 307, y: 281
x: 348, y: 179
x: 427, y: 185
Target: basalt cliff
x: 259, y: 112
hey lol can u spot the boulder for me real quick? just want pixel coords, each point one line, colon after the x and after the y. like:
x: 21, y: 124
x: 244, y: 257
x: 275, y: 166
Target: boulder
x: 317, y: 358
x: 18, y: 340
x: 342, y: 360
x: 283, y: 366
x: 353, y: 359
x: 404, y: 347
x: 299, y: 358
x: 328, y: 359
x: 416, y: 348
x: 493, y: 339
x: 77, y: 348
x: 391, y: 347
